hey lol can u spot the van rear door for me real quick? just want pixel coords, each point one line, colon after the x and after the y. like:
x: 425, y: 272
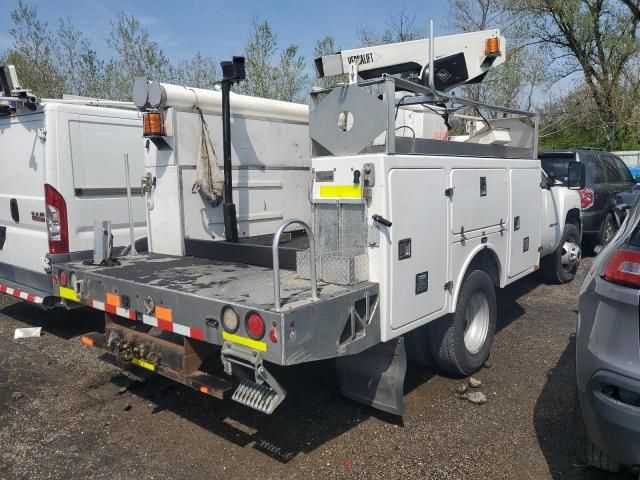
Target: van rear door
x: 91, y: 145
x: 23, y: 228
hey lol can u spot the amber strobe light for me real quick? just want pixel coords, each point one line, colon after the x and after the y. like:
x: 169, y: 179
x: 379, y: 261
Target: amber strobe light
x: 492, y: 47
x: 153, y: 124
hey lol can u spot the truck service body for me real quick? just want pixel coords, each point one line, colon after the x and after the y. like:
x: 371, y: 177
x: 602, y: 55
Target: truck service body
x: 408, y: 234
x: 62, y: 169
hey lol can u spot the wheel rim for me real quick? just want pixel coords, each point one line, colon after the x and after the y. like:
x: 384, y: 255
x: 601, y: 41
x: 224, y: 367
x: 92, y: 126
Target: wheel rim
x: 476, y: 316
x: 571, y: 254
x: 609, y: 231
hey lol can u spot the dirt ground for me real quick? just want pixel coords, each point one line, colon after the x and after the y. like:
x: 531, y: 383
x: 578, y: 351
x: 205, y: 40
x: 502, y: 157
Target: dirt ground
x: 66, y: 411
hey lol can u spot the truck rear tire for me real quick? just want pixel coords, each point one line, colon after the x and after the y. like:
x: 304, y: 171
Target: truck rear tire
x: 561, y: 266
x: 461, y: 342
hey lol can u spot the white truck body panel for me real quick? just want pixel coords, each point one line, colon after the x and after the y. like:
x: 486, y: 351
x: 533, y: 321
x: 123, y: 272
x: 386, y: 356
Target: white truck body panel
x: 447, y: 232
x: 270, y: 159
x: 79, y: 151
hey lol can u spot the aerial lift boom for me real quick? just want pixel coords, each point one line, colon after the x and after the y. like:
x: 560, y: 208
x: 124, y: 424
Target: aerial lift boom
x: 458, y: 59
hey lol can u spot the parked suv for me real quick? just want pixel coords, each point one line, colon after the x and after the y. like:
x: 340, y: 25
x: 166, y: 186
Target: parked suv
x: 608, y: 354
x: 608, y: 182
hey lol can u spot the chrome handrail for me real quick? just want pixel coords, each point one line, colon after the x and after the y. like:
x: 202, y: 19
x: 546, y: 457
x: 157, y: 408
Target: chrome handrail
x: 276, y: 260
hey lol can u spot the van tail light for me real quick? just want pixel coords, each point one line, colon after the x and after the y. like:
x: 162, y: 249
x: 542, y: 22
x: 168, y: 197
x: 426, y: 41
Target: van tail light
x: 153, y: 124
x: 624, y: 267
x: 587, y: 198
x: 57, y: 221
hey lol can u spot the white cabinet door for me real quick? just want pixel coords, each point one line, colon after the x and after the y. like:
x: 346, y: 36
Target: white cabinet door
x: 479, y: 199
x: 418, y: 258
x: 526, y: 204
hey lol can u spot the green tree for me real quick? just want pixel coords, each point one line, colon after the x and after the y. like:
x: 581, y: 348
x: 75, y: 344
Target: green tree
x: 596, y: 39
x: 284, y: 80
x: 33, y: 53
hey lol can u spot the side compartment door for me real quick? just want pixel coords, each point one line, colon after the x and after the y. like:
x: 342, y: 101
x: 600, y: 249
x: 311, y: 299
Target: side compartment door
x: 418, y: 258
x: 526, y: 208
x: 478, y: 200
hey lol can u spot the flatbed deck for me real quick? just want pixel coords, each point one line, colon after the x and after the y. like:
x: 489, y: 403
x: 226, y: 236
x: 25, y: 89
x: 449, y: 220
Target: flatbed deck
x: 229, y: 282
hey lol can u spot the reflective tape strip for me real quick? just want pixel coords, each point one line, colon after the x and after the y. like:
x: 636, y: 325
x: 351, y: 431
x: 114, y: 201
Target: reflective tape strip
x: 126, y: 313
x: 149, y: 320
x: 181, y: 330
x: 247, y: 342
x: 96, y: 304
x: 14, y: 292
x: 340, y: 191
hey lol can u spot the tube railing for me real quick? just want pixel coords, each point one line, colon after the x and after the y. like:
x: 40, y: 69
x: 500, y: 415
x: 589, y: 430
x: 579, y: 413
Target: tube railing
x: 275, y: 248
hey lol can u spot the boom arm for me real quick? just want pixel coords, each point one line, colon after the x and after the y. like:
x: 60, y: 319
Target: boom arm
x: 458, y: 59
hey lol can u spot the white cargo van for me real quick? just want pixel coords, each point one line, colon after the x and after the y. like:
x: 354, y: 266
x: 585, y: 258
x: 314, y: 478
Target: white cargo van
x: 61, y: 168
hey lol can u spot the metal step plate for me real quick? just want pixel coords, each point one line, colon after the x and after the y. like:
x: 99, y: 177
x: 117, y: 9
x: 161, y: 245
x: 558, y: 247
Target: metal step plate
x: 256, y: 396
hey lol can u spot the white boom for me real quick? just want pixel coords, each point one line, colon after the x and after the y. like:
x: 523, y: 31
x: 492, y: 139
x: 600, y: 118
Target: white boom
x: 165, y: 95
x: 458, y: 59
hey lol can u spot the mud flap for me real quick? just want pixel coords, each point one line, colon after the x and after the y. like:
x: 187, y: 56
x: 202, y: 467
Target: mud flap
x: 375, y: 377
x: 417, y: 346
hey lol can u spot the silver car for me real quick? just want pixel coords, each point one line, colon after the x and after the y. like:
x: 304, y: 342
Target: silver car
x: 608, y: 354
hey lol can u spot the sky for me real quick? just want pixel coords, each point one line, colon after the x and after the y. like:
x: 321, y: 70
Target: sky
x: 220, y: 28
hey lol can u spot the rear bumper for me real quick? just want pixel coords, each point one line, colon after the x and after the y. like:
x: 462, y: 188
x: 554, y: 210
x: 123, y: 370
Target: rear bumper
x: 24, y: 293
x: 612, y: 424
x: 28, y: 280
x: 608, y: 360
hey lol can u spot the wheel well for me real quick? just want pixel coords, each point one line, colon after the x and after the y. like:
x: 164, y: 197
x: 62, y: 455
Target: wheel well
x: 487, y: 260
x: 573, y: 216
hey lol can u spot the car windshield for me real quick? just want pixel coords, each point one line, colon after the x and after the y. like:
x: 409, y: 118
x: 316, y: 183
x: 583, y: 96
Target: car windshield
x: 557, y: 165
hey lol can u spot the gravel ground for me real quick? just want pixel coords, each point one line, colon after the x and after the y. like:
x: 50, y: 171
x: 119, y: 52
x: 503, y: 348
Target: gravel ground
x: 66, y: 411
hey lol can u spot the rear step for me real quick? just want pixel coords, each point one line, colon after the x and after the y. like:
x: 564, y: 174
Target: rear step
x: 259, y: 397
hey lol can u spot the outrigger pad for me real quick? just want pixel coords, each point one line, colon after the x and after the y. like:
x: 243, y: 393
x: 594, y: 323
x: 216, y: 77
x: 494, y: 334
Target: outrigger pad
x: 375, y: 377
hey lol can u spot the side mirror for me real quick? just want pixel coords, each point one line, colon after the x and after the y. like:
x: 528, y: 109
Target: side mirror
x: 637, y: 178
x: 576, y: 176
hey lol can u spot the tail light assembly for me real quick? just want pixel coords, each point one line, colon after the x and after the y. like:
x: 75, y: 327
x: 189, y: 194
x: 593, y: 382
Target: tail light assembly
x: 587, y: 197
x: 57, y: 220
x: 624, y: 267
x: 255, y: 326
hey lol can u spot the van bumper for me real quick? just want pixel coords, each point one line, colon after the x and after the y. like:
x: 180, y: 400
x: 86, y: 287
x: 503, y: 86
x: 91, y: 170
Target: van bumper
x: 27, y: 280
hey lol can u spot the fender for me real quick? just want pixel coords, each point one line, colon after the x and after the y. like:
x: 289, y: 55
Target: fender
x: 473, y: 255
x: 558, y: 203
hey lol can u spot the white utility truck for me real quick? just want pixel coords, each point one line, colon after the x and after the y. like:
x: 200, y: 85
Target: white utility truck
x: 62, y: 168
x: 411, y: 231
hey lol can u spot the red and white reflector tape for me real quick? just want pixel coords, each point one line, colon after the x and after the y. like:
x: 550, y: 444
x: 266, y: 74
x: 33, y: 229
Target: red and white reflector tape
x: 15, y: 292
x: 149, y: 320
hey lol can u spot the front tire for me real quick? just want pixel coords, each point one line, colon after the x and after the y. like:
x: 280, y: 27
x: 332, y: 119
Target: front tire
x: 561, y: 266
x: 461, y: 342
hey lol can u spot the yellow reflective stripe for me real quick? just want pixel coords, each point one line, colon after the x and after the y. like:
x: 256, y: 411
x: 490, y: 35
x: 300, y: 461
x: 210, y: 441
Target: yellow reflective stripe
x: 247, y: 342
x: 143, y: 364
x: 69, y: 294
x: 340, y: 191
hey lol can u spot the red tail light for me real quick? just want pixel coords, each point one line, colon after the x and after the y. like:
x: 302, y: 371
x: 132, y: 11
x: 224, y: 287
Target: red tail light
x: 57, y: 222
x: 255, y: 326
x: 624, y: 268
x: 587, y: 198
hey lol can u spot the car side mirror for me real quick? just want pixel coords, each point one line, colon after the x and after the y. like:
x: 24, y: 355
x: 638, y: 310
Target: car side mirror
x: 576, y: 176
x: 637, y: 178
